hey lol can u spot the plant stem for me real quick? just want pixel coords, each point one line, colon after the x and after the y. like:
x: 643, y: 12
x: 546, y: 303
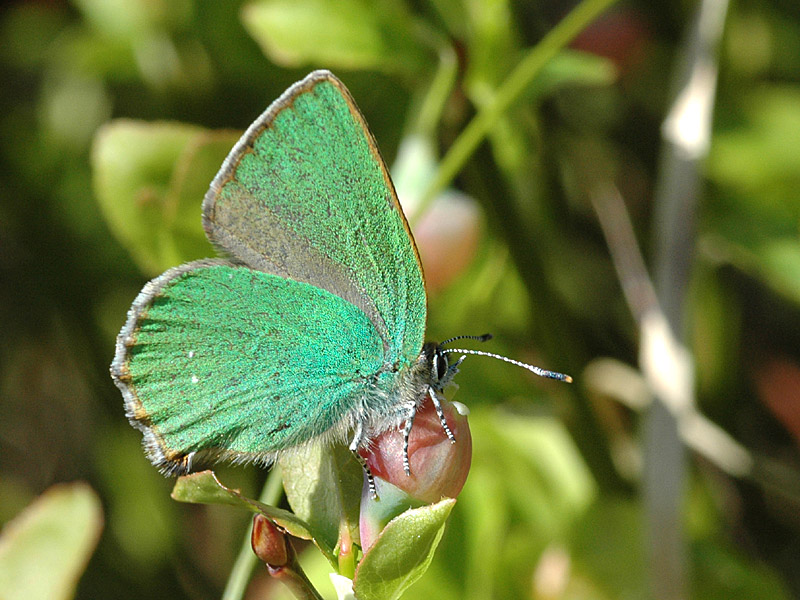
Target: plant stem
x: 436, y: 95
x: 293, y: 577
x: 246, y: 561
x: 686, y: 137
x: 508, y: 92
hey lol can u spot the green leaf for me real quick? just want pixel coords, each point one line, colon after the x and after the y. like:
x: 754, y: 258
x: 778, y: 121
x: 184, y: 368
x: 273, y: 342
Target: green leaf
x: 130, y: 18
x: 44, y: 550
x: 753, y: 222
x: 780, y: 266
x: 323, y: 486
x: 527, y: 490
x: 402, y: 553
x: 350, y: 34
x: 205, y: 488
x: 573, y: 67
x: 140, y: 518
x: 756, y: 153
x: 150, y: 179
x: 724, y: 573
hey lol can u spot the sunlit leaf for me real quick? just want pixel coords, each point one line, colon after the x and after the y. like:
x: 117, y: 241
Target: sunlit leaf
x: 351, y: 34
x: 323, y: 486
x: 402, y: 553
x: 205, y: 488
x: 150, y: 179
x: 45, y: 549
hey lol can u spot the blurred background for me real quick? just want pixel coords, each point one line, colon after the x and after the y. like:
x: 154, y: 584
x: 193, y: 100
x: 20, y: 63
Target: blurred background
x: 628, y: 214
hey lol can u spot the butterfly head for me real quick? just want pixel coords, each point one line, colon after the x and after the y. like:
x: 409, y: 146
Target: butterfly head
x: 436, y: 356
x: 442, y: 371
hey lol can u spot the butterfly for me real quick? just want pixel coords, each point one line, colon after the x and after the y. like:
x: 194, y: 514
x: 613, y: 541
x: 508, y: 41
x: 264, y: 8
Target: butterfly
x: 311, y: 329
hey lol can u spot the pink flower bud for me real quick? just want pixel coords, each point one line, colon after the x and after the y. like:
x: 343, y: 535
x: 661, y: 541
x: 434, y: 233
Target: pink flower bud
x: 439, y: 467
x: 269, y: 543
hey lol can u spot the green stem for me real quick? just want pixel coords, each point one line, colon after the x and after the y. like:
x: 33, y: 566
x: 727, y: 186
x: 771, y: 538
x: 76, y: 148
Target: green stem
x: 436, y: 95
x: 508, y: 92
x: 246, y: 561
x: 293, y: 577
x: 347, y: 553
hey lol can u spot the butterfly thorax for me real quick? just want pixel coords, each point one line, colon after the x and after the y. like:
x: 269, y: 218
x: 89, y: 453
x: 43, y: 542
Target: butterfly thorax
x: 401, y: 390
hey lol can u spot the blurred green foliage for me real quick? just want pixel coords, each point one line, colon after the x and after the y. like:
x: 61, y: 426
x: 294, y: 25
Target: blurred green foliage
x: 114, y: 116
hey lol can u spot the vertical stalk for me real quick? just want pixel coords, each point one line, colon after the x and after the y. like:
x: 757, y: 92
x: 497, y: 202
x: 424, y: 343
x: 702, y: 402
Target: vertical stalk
x: 246, y: 561
x: 686, y: 136
x: 509, y: 91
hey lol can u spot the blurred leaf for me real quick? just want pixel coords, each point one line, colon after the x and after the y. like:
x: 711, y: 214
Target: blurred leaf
x: 44, y: 550
x: 494, y: 43
x: 607, y: 546
x: 758, y: 156
x: 72, y: 107
x: 25, y: 30
x: 349, y: 34
x: 205, y: 488
x: 756, y: 164
x: 515, y: 138
x: 453, y: 13
x: 130, y: 18
x: 552, y: 485
x: 527, y: 490
x: 780, y: 260
x: 572, y: 67
x: 402, y: 553
x: 323, y: 487
x: 715, y: 339
x: 150, y: 179
x: 151, y: 39
x: 139, y: 515
x: 722, y: 574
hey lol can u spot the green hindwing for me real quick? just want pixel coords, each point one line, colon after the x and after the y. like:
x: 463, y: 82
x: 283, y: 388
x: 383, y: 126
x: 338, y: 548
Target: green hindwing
x: 217, y: 360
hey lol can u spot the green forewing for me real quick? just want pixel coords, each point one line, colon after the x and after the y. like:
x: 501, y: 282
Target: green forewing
x: 306, y: 195
x: 231, y: 359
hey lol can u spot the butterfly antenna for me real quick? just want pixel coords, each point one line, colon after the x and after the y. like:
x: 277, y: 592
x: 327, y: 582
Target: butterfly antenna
x: 481, y: 338
x: 537, y: 370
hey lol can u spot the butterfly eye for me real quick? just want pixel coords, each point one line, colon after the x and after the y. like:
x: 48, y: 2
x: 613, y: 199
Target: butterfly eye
x: 440, y: 365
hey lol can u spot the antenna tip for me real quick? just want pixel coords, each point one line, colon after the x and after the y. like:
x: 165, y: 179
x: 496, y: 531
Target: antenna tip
x: 567, y: 378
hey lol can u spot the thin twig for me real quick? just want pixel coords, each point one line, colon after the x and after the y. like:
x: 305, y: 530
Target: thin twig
x: 510, y: 91
x: 246, y: 561
x: 687, y: 133
x: 665, y: 362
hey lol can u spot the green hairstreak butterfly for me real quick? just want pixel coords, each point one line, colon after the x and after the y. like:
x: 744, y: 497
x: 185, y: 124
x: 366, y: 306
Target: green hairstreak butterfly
x: 312, y: 328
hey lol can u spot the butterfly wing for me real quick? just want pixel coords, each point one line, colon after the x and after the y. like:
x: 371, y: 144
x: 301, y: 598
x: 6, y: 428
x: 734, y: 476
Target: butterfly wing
x: 217, y: 360
x: 306, y: 195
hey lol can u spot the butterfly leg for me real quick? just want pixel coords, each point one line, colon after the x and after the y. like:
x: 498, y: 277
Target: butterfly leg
x: 412, y: 412
x: 373, y: 491
x: 358, y: 437
x: 437, y: 404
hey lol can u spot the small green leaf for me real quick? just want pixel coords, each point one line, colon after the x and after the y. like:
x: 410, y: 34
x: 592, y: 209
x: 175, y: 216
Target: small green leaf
x: 350, y: 34
x: 780, y: 266
x: 44, y: 550
x: 205, y: 488
x: 402, y: 553
x: 150, y: 179
x: 199, y: 162
x: 323, y: 486
x: 573, y: 67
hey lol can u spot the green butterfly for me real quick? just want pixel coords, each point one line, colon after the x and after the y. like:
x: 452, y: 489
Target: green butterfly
x: 312, y: 329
